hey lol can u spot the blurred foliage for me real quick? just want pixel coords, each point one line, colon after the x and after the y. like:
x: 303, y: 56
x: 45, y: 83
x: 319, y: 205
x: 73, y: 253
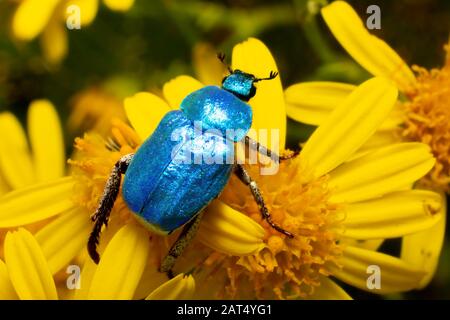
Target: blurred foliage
x: 141, y: 49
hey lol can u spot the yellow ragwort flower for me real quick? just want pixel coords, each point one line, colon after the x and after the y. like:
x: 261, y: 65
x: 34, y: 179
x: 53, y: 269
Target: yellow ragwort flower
x: 26, y: 273
x: 47, y: 18
x: 23, y: 162
x: 421, y: 115
x: 340, y: 208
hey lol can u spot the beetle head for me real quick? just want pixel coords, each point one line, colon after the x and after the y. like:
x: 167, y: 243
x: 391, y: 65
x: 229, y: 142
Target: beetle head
x: 240, y: 83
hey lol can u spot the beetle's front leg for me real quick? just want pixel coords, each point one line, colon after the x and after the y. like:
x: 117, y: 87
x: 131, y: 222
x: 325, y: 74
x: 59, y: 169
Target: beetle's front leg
x: 185, y: 237
x: 255, y: 145
x: 106, y: 204
x: 248, y: 181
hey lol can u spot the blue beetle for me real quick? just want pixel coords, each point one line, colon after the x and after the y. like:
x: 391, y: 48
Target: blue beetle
x: 164, y: 186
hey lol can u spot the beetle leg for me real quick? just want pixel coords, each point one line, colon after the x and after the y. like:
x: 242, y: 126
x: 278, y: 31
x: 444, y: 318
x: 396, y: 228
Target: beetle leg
x: 101, y: 215
x: 248, y: 181
x: 185, y: 237
x: 255, y: 145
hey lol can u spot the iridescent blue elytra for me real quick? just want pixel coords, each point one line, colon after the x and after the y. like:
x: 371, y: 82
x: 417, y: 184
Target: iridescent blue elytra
x: 166, y: 193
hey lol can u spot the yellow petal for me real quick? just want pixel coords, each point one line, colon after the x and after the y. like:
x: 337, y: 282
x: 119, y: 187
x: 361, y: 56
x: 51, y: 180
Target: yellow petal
x: 329, y: 290
x: 423, y: 249
x: 349, y: 126
x: 229, y: 231
x: 4, y: 188
x: 208, y: 67
x: 88, y: 266
x: 178, y: 88
x: 119, y: 5
x: 121, y: 265
x: 269, y: 109
x: 46, y: 140
x: 151, y: 279
x: 144, y: 111
x: 182, y: 287
x: 63, y: 238
x: 54, y: 41
x: 7, y: 291
x: 396, y: 275
x: 382, y: 171
x: 15, y: 161
x: 392, y: 215
x: 88, y: 10
x: 35, y: 203
x: 369, y: 51
x: 378, y: 140
x: 27, y: 267
x: 395, y: 119
x: 31, y: 17
x: 313, y: 102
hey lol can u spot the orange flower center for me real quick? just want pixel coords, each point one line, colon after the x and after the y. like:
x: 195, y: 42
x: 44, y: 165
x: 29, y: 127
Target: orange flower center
x: 286, y: 268
x: 427, y: 119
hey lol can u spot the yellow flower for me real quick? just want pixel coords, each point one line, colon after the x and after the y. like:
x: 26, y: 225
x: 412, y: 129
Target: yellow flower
x: 329, y: 205
x: 421, y: 115
x: 23, y: 162
x: 340, y: 209
x: 26, y: 274
x: 47, y: 18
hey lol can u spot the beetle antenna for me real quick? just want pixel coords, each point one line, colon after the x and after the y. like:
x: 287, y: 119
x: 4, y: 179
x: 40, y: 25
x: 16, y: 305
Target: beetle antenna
x: 221, y: 56
x: 272, y: 75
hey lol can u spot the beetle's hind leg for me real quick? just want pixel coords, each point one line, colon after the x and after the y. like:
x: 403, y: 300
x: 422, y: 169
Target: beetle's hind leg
x: 185, y: 237
x: 101, y: 215
x: 248, y: 181
x: 255, y: 145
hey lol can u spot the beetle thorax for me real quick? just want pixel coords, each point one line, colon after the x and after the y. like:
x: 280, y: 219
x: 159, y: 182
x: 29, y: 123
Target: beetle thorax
x: 240, y: 84
x: 218, y: 109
